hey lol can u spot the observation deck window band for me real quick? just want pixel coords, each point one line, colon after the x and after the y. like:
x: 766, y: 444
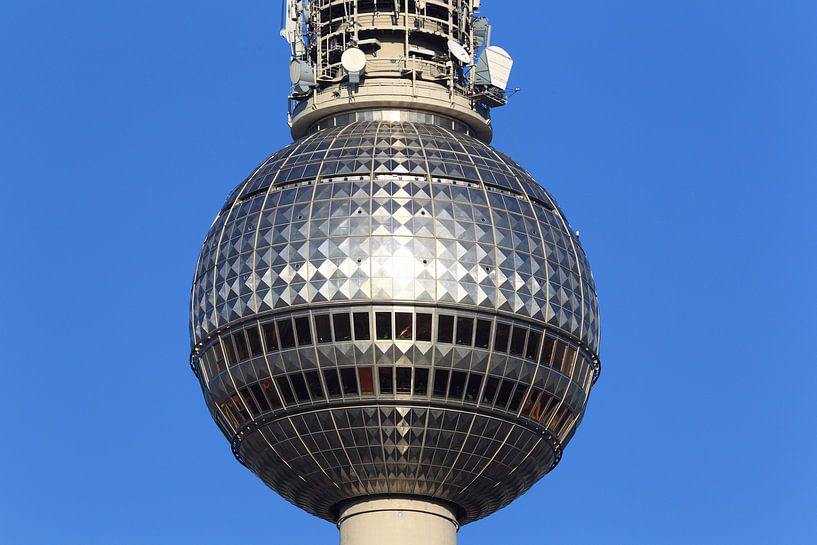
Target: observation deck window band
x: 556, y: 337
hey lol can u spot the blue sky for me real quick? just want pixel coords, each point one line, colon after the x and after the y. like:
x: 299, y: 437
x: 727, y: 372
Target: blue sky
x: 679, y: 137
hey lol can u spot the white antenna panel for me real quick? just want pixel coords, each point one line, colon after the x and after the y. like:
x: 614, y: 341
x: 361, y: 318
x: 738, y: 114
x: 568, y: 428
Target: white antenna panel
x: 494, y: 67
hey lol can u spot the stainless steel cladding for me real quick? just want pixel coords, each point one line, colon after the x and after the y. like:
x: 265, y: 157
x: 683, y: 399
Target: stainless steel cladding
x: 389, y: 306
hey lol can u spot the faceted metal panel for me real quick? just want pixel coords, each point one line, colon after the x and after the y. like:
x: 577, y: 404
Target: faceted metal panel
x: 394, y: 307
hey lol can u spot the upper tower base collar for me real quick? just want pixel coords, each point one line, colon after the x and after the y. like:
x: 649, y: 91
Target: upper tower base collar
x: 397, y: 521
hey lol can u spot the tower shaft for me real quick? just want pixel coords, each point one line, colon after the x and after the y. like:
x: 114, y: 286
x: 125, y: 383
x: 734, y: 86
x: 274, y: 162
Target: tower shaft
x: 397, y: 521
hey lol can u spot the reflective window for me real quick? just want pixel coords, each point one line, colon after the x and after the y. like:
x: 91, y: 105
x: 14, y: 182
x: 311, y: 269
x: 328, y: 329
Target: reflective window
x: 457, y: 386
x: 383, y: 326
x: 503, y: 332
x: 482, y: 337
x: 366, y: 380
x: 241, y: 346
x: 303, y: 331
x: 260, y: 398
x: 255, y: 410
x: 420, y: 381
x: 330, y: 376
x: 343, y: 329
x: 491, y: 386
x: 440, y: 382
x: 472, y: 390
x: 402, y: 325
x: 229, y: 351
x: 505, y: 390
x: 424, y: 327
x: 518, y: 340
x: 547, y: 350
x: 285, y: 389
x: 270, y: 336
x: 517, y: 398
x: 323, y: 331
x: 362, y: 332
x: 349, y: 380
x: 255, y: 341
x: 403, y: 375
x: 465, y: 331
x: 385, y: 375
x: 272, y: 395
x: 299, y: 386
x: 558, y: 355
x: 532, y: 352
x: 285, y: 333
x: 445, y: 329
x: 313, y: 381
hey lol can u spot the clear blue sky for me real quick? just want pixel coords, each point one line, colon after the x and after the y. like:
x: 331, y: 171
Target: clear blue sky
x: 680, y: 138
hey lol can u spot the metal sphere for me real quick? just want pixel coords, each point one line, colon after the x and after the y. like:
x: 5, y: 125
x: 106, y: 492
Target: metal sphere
x: 394, y: 308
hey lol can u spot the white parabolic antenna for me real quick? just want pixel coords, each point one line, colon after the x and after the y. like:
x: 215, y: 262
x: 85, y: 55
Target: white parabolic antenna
x: 353, y: 60
x: 459, y: 52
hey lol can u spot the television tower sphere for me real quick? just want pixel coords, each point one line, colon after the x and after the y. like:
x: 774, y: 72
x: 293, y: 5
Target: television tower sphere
x: 393, y: 324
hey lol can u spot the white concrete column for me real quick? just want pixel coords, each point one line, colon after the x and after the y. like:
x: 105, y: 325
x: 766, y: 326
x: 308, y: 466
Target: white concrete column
x: 397, y: 521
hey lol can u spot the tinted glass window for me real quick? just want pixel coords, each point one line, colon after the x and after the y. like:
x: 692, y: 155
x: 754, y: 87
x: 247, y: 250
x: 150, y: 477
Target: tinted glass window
x: 503, y: 333
x: 420, y: 381
x: 445, y: 329
x: 285, y: 333
x: 229, y: 350
x: 362, y: 332
x: 490, y: 390
x: 424, y: 327
x: 440, y: 382
x: 504, y: 394
x: 404, y: 380
x: 343, y: 329
x: 245, y: 394
x: 518, y: 340
x: 383, y: 325
x: 299, y: 385
x: 516, y: 399
x: 402, y: 325
x: 482, y: 339
x: 472, y: 390
x: 286, y: 390
x: 547, y: 350
x: 532, y: 351
x: 260, y: 398
x: 303, y: 331
x: 366, y: 380
x: 322, y: 329
x: 465, y: 331
x: 558, y: 355
x: 272, y: 395
x: 457, y: 387
x: 241, y: 346
x: 385, y: 374
x: 270, y: 337
x: 313, y: 381
x: 255, y: 341
x: 330, y: 376
x: 349, y: 380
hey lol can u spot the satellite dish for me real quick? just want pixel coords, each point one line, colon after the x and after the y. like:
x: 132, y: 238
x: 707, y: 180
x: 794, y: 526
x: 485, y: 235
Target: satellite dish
x: 353, y: 60
x: 459, y: 52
